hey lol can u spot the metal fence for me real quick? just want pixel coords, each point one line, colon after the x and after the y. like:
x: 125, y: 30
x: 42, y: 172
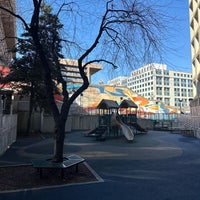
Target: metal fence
x: 190, y: 122
x: 157, y: 116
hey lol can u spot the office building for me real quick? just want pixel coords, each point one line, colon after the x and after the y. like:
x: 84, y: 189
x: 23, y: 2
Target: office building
x: 155, y: 82
x: 194, y: 13
x: 120, y: 81
x: 71, y: 71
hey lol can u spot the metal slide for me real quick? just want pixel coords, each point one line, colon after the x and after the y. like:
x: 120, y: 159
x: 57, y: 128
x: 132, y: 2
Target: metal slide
x: 126, y: 130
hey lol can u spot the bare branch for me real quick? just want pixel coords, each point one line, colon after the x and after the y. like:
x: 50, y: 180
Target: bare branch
x: 64, y: 5
x: 100, y: 60
x: 15, y: 15
x: 96, y: 41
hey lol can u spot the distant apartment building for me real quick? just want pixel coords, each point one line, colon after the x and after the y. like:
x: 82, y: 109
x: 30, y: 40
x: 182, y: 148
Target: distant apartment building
x: 155, y: 82
x: 194, y: 13
x: 120, y: 81
x: 71, y: 71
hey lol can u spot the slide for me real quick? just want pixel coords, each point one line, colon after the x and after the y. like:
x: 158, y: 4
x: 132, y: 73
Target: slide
x: 126, y: 130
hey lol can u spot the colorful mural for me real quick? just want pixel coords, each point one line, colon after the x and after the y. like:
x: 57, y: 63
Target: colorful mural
x: 91, y: 97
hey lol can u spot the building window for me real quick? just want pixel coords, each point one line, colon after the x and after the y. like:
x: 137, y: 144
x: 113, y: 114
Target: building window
x: 167, y: 101
x: 190, y: 84
x: 176, y: 82
x: 190, y: 93
x: 166, y: 81
x: 159, y: 98
x: 166, y: 91
x: 183, y: 82
x: 166, y: 72
x: 183, y: 92
x: 158, y: 80
x: 176, y: 92
x: 158, y: 90
x: 158, y: 71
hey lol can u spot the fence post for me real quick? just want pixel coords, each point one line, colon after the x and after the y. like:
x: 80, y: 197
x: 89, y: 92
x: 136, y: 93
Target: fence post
x: 1, y: 111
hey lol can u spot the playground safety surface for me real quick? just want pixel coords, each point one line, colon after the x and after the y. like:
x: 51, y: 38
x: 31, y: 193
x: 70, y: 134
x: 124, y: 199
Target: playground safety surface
x: 158, y: 165
x: 19, y: 174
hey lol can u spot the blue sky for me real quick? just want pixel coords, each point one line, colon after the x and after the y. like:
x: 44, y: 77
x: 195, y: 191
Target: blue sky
x: 180, y: 57
x: 176, y: 53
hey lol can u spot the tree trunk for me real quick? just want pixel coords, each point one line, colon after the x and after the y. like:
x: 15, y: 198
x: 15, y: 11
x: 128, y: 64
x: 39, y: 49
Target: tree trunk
x: 59, y: 141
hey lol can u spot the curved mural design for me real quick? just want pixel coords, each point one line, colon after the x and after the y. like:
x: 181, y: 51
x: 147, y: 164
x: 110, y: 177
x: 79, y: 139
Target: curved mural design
x: 91, y: 97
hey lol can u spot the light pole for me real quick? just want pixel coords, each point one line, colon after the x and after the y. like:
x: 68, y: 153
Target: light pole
x: 1, y: 104
x: 81, y: 109
x: 190, y: 105
x: 1, y: 110
x: 180, y: 101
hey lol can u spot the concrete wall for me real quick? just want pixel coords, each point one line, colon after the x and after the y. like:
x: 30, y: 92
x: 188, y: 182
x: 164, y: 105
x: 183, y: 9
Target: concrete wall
x: 8, y: 131
x: 84, y: 122
x: 45, y: 123
x: 75, y: 122
x: 22, y: 122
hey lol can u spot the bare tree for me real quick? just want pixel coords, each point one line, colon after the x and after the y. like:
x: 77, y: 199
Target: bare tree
x: 126, y: 26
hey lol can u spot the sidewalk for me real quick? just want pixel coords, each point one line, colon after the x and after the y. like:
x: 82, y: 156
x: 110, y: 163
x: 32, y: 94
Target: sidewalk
x: 158, y: 165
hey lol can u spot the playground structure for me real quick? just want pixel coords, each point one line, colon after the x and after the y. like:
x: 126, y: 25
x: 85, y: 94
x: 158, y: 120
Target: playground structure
x: 129, y: 117
x: 128, y: 111
x: 115, y: 120
x: 106, y: 107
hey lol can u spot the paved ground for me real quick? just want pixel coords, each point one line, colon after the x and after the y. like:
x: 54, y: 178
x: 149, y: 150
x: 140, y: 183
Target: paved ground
x: 157, y: 166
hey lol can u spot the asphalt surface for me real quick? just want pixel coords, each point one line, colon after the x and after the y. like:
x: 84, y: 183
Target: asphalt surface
x: 157, y: 166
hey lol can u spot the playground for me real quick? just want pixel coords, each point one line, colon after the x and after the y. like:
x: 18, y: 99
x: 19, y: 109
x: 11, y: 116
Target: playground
x: 116, y: 120
x: 113, y: 111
